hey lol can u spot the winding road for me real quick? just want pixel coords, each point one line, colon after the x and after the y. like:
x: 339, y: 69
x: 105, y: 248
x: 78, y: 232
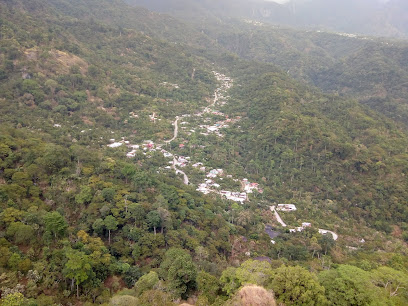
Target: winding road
x: 175, y: 131
x: 321, y: 231
x: 208, y: 108
x: 186, y: 181
x: 277, y: 216
x: 176, y: 128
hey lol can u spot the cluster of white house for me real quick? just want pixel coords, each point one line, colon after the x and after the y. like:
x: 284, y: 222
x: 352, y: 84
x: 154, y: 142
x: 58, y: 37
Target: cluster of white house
x: 116, y: 144
x: 209, y: 185
x: 235, y: 196
x: 215, y: 128
x: 146, y: 146
x: 227, y: 81
x: 221, y: 100
x: 292, y: 207
x: 300, y: 228
x: 215, y: 172
x: 250, y: 187
x: 181, y: 161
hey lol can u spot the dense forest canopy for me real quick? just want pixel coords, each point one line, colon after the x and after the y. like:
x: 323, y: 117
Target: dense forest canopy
x: 143, y: 158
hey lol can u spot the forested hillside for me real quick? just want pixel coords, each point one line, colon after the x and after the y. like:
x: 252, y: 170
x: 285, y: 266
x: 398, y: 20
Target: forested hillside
x: 142, y: 160
x: 307, y: 143
x: 368, y: 68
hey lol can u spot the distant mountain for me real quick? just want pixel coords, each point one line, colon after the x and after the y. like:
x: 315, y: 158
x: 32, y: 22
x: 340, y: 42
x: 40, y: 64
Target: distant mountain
x: 365, y: 16
x: 369, y: 69
x: 379, y: 18
x: 198, y: 10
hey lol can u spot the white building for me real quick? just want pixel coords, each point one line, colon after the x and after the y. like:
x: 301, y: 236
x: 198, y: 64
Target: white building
x: 115, y: 145
x: 286, y: 207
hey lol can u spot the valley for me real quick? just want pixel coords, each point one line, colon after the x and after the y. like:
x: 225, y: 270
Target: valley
x: 205, y: 122
x: 143, y: 156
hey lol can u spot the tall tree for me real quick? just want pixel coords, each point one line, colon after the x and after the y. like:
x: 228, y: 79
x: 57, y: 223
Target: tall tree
x: 111, y: 224
x: 153, y: 220
x: 137, y: 213
x: 77, y: 267
x: 165, y: 218
x: 55, y: 224
x: 98, y: 226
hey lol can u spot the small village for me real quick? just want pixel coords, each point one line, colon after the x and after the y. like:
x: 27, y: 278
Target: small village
x: 212, y: 180
x: 209, y: 184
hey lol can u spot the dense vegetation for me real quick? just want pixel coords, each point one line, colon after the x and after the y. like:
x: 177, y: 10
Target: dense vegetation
x: 373, y: 70
x: 81, y: 224
x: 325, y: 146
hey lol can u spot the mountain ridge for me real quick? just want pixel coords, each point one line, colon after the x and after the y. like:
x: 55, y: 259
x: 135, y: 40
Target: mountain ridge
x: 361, y: 17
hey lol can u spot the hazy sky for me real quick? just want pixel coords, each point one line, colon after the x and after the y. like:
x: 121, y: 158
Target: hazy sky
x: 284, y: 1
x: 279, y: 1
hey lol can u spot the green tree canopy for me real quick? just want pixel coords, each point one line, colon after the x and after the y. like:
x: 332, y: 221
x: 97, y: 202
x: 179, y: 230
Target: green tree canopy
x: 207, y: 285
x: 153, y: 220
x: 297, y: 286
x: 349, y: 285
x: 393, y: 281
x: 13, y: 299
x: 55, y: 224
x: 179, y: 271
x: 21, y: 233
x: 250, y: 272
x: 98, y: 226
x: 111, y: 224
x: 85, y: 195
x: 77, y: 267
x: 146, y: 282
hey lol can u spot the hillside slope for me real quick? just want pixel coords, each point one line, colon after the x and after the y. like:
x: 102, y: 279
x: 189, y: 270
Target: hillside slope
x: 112, y: 119
x: 306, y: 144
x: 369, y: 68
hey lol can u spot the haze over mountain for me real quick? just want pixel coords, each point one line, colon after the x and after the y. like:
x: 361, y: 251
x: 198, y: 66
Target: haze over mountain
x: 370, y: 17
